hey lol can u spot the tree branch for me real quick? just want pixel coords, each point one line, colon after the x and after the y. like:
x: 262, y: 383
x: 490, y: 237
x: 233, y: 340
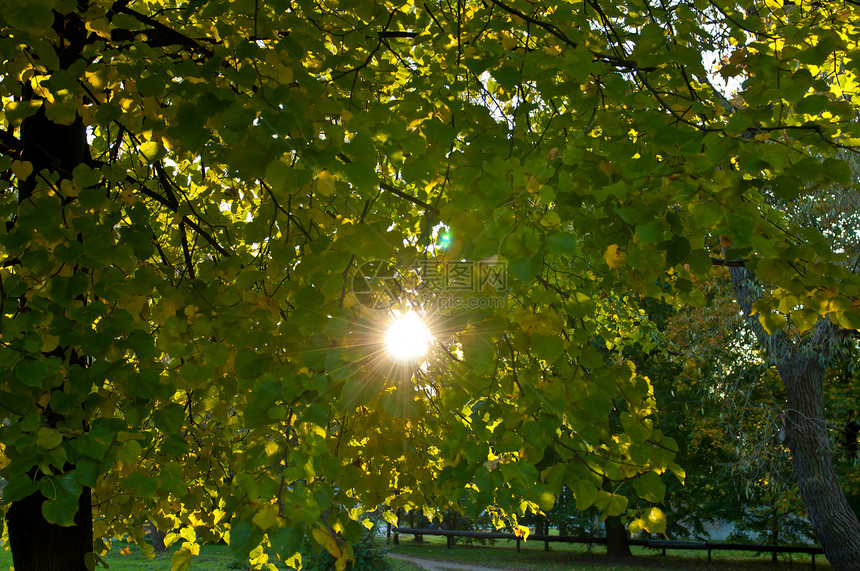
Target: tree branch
x: 776, y: 344
x: 167, y: 35
x: 729, y: 263
x: 387, y: 187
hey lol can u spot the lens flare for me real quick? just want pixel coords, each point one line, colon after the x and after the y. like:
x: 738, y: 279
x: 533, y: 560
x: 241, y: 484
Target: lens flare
x: 444, y: 240
x: 407, y: 338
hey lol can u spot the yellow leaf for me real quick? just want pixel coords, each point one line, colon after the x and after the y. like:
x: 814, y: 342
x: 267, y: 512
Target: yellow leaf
x: 614, y: 257
x: 656, y: 521
x: 22, y: 169
x: 188, y: 534
x: 48, y: 438
x: 132, y: 304
x: 328, y: 541
x: 49, y: 343
x: 100, y: 27
x: 267, y: 517
x: 271, y: 448
x: 325, y: 183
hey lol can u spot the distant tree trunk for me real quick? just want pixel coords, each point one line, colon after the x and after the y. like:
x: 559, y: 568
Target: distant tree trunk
x: 774, y: 528
x: 41, y: 546
x: 802, y: 369
x: 418, y: 537
x: 158, y: 538
x: 617, y: 544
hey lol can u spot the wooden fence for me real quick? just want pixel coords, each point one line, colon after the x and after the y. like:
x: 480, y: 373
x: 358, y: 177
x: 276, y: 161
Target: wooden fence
x: 661, y: 544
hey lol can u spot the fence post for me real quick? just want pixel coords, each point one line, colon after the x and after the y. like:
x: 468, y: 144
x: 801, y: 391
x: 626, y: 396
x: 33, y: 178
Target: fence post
x: 546, y: 533
x: 518, y: 545
x: 449, y: 541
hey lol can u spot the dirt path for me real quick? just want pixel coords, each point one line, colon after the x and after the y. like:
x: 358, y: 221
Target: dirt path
x: 437, y: 565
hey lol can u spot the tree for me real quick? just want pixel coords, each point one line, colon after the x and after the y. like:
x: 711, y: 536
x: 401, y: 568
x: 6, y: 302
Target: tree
x: 723, y: 407
x: 191, y: 186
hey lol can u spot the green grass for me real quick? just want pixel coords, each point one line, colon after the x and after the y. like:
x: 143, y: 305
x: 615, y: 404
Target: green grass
x: 503, y: 554
x: 570, y: 557
x: 211, y: 558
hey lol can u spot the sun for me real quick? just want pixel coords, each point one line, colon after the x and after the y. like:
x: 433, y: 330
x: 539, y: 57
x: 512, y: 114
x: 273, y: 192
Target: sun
x: 407, y: 338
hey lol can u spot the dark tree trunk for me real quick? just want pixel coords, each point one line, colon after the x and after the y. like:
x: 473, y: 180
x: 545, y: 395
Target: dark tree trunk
x: 41, y: 546
x: 36, y: 544
x: 158, y: 538
x: 617, y: 544
x: 418, y: 537
x: 835, y: 524
x: 802, y: 368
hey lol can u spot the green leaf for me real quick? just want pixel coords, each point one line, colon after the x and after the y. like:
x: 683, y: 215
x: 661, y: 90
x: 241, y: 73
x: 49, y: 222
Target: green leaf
x: 650, y: 487
x: 561, y: 243
x: 31, y: 372
x: 17, y: 111
x: 34, y: 17
x: 616, y: 506
x: 812, y: 104
x: 479, y: 352
x: 143, y: 486
x: 362, y: 176
x: 677, y: 251
x: 62, y: 493
x: 286, y: 542
x: 804, y: 318
x: 170, y: 418
x: 243, y: 538
x: 60, y: 512
x: 48, y: 438
x: 143, y: 345
x: 280, y: 176
x: 249, y: 363
x: 18, y: 489
x: 152, y: 151
x: 585, y: 493
x: 181, y: 559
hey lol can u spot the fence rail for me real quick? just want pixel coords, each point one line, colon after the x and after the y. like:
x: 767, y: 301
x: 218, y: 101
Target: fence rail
x: 661, y: 544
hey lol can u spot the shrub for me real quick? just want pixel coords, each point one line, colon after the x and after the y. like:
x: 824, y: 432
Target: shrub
x: 369, y: 556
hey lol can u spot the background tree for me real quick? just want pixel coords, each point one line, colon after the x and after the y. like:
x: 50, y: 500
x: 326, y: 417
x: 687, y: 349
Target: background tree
x: 189, y: 188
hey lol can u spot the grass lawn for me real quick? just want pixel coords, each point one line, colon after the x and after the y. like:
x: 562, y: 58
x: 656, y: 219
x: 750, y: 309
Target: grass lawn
x: 502, y: 554
x: 211, y: 558
x: 574, y: 557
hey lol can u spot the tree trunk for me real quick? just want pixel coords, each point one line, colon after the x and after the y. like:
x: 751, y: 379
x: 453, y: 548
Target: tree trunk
x: 802, y: 368
x: 41, y: 546
x: 835, y: 524
x: 617, y: 544
x: 158, y: 536
x: 36, y: 544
